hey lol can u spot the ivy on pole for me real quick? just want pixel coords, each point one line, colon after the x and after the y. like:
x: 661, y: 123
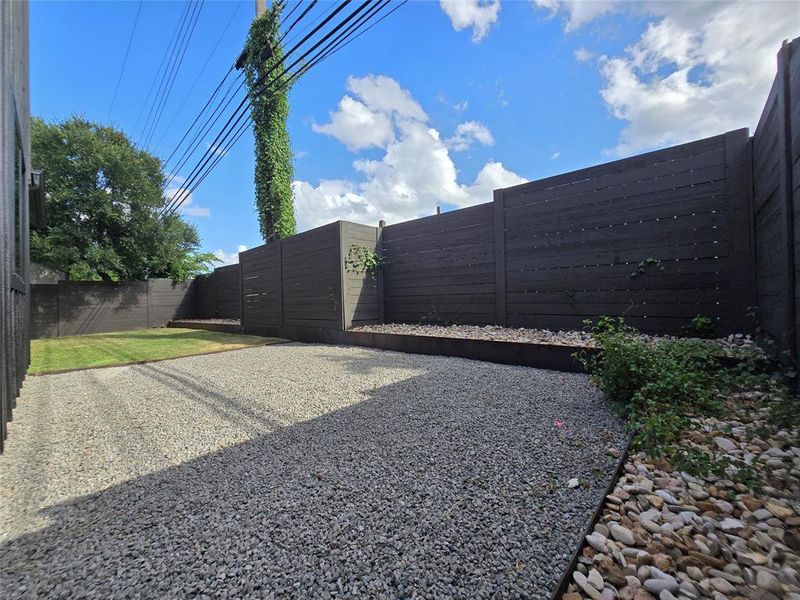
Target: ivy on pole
x: 274, y: 170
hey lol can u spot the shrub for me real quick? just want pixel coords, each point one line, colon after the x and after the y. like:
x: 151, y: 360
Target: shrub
x: 660, y: 387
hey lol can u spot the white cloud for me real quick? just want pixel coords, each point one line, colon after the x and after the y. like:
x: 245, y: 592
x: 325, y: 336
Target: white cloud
x: 414, y: 175
x: 698, y: 69
x: 477, y: 14
x: 187, y: 206
x: 356, y: 126
x: 366, y: 121
x: 582, y: 55
x: 467, y: 133
x: 215, y: 149
x: 461, y: 106
x: 578, y: 12
x: 555, y: 155
x: 229, y: 258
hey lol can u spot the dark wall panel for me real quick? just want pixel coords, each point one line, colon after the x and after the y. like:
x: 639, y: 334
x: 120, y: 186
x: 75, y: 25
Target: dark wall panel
x: 84, y: 307
x: 96, y: 307
x: 441, y: 269
x: 219, y: 294
x: 168, y: 300
x: 776, y: 148
x: 44, y: 311
x: 261, y: 288
x: 312, y: 284
x: 573, y: 244
x: 361, y: 295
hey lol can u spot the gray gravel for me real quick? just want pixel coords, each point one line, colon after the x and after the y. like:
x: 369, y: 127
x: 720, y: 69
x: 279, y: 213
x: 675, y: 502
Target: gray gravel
x: 300, y: 471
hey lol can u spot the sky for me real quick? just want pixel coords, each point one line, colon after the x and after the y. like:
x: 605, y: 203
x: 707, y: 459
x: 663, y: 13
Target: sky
x: 437, y: 105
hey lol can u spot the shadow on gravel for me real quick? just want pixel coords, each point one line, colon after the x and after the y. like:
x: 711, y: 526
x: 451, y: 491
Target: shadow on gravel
x: 454, y: 486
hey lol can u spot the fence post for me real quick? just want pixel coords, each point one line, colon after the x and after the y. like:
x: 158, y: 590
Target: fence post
x: 342, y: 282
x: 741, y: 228
x: 379, y: 250
x: 500, y: 257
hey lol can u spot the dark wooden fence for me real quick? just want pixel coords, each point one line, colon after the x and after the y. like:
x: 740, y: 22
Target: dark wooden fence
x: 219, y: 294
x: 776, y: 171
x: 83, y: 307
x: 304, y: 282
x: 15, y: 175
x: 659, y: 238
x: 706, y: 228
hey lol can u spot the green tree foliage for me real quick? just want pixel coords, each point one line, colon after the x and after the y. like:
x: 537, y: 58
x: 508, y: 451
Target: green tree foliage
x: 103, y: 199
x: 273, y: 170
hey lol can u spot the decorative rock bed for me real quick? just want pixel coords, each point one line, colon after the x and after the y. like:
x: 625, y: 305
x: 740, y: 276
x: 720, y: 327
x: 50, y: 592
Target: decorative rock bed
x: 669, y: 535
x: 730, y: 344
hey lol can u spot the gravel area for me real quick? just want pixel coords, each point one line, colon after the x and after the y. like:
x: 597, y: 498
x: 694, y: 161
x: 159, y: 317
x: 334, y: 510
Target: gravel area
x: 669, y: 535
x: 730, y: 344
x: 301, y: 471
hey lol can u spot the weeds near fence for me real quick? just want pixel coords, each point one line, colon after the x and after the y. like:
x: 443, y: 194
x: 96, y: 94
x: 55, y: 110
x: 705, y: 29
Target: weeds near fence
x: 665, y: 388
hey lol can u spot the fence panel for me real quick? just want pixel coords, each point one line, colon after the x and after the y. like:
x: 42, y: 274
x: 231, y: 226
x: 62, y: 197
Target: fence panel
x: 441, y: 269
x: 219, y: 294
x: 647, y: 237
x: 97, y: 306
x: 44, y: 311
x: 168, y: 300
x: 312, y: 283
x: 775, y: 153
x: 262, y: 306
x: 361, y: 295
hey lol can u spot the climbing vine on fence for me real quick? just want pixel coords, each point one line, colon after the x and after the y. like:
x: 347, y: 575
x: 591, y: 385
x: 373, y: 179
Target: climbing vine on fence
x: 361, y: 259
x: 270, y: 109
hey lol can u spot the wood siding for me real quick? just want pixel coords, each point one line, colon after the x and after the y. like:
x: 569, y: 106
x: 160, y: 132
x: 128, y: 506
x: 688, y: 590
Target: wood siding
x: 15, y: 173
x: 441, y: 269
x: 84, y: 307
x: 776, y: 178
x: 219, y: 294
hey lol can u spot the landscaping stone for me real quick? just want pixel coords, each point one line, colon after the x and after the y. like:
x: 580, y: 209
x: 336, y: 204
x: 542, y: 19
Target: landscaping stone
x: 695, y: 538
x: 730, y: 346
x: 300, y: 470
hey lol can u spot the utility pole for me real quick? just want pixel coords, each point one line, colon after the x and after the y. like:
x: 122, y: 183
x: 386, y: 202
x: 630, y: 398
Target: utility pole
x: 261, y: 7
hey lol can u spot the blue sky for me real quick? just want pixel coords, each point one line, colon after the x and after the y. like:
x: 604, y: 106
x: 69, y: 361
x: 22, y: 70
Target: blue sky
x: 459, y: 97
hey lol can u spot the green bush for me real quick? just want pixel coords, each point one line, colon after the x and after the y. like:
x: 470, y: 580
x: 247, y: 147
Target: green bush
x: 660, y: 387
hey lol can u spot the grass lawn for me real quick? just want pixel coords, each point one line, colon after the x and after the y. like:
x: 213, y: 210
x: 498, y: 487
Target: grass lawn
x: 126, y: 347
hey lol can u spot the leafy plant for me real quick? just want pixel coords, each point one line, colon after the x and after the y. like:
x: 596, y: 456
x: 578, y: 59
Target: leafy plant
x: 700, y: 326
x: 641, y: 268
x: 104, y: 206
x: 274, y: 169
x: 361, y: 259
x: 661, y: 386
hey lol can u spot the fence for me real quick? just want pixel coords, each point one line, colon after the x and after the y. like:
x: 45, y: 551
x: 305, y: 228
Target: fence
x: 15, y: 174
x: 219, y: 294
x: 303, y: 282
x: 83, y: 307
x: 659, y: 238
x: 776, y: 171
x: 705, y: 228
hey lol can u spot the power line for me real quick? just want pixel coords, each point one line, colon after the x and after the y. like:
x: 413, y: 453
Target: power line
x: 227, y: 128
x: 125, y: 60
x: 161, y: 66
x: 334, y: 45
x: 218, y: 150
x: 187, y: 37
x: 202, y: 70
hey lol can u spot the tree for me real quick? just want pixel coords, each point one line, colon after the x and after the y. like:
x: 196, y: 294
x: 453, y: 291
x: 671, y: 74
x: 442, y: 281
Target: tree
x: 103, y: 202
x: 270, y: 109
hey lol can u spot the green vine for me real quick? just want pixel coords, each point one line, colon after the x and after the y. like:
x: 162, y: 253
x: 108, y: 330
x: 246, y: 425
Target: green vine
x: 641, y: 268
x: 362, y: 260
x: 270, y: 108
